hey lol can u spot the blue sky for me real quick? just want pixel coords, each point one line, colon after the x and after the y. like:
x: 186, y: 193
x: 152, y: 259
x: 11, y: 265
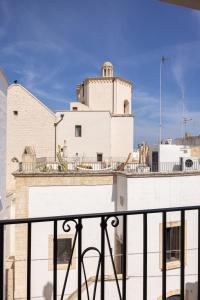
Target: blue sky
x: 50, y: 46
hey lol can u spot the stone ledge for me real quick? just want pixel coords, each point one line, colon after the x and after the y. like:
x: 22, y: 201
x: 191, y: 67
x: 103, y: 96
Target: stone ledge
x: 103, y: 174
x: 62, y: 174
x: 157, y: 174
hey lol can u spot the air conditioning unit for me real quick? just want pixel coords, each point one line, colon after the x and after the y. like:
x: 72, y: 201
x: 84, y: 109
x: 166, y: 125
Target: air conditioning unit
x: 190, y: 163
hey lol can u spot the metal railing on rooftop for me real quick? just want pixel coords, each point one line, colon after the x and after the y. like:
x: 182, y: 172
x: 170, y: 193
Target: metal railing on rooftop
x: 42, y: 165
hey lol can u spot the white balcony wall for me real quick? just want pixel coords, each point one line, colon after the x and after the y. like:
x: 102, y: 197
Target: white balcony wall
x: 66, y: 200
x: 145, y: 192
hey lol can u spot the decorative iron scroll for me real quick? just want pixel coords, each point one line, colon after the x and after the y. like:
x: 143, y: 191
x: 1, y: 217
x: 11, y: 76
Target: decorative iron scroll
x: 114, y: 221
x: 66, y: 228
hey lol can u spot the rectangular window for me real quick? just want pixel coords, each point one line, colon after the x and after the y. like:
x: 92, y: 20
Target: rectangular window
x: 64, y: 251
x: 74, y: 108
x: 64, y: 248
x: 83, y: 89
x: 99, y: 157
x: 173, y: 243
x: 78, y: 131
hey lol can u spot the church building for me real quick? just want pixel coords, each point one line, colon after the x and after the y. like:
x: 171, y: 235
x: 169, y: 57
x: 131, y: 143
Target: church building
x: 102, y: 118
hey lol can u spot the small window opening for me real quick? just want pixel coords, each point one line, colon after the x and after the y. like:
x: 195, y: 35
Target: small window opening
x: 100, y: 157
x: 173, y: 247
x: 64, y: 249
x: 74, y: 108
x: 15, y: 112
x: 126, y: 107
x: 78, y: 130
x: 83, y: 89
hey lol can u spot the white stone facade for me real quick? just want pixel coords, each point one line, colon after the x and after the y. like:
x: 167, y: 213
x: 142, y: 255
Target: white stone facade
x: 3, y: 105
x: 108, y: 94
x: 105, y: 115
x: 101, y: 133
x: 29, y: 123
x: 77, y: 194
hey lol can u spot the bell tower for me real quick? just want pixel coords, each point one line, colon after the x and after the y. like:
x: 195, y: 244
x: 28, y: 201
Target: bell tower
x: 107, y: 69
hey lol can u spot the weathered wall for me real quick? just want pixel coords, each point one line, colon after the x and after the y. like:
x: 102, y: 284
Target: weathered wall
x: 33, y: 125
x: 100, y: 94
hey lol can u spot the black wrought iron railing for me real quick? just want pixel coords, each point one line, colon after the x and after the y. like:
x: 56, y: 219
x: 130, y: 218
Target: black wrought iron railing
x: 122, y: 227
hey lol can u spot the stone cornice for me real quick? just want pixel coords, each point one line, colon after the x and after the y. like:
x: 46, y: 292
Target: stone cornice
x: 62, y: 174
x: 110, y: 79
x: 122, y: 115
x: 157, y: 174
x: 103, y: 174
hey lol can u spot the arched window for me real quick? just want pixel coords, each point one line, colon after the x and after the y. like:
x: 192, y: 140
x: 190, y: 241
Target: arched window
x: 126, y: 107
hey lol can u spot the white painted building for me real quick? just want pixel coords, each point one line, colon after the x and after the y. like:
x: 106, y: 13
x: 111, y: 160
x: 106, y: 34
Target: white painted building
x: 102, y: 118
x: 170, y: 157
x: 151, y: 192
x: 74, y: 194
x: 3, y: 105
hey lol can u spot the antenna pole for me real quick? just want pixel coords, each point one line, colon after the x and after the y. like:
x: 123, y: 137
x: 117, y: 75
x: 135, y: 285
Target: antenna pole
x: 183, y: 114
x: 162, y: 60
x: 161, y: 63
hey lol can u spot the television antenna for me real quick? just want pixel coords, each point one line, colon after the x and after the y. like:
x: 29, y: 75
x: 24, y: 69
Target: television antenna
x: 185, y: 122
x: 162, y: 61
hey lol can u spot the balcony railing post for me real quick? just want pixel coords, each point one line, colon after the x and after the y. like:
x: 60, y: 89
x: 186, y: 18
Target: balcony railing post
x: 164, y: 255
x: 1, y: 261
x: 124, y: 253
x: 79, y: 229
x: 29, y: 262
x: 55, y: 260
x: 103, y: 225
x: 144, y: 256
x: 182, y: 283
x: 198, y: 254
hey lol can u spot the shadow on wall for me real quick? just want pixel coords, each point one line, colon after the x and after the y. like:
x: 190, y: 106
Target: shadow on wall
x: 114, y: 189
x: 192, y: 290
x: 48, y: 291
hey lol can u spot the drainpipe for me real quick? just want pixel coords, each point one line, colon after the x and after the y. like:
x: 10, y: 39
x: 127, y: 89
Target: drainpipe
x: 55, y: 127
x: 113, y: 100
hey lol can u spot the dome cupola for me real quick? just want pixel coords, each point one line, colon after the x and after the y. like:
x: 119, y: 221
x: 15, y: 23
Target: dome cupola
x: 107, y: 69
